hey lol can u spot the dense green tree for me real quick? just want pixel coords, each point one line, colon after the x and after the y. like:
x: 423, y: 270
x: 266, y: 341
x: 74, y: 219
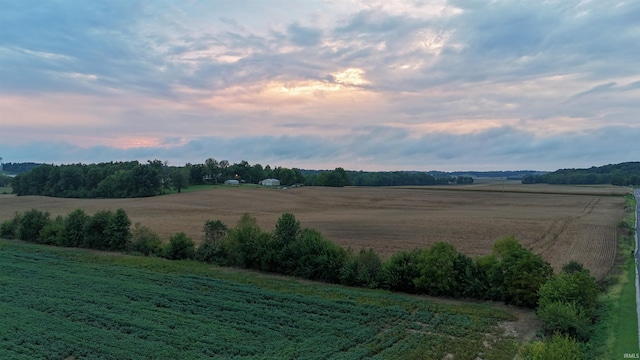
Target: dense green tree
x: 437, y: 271
x: 256, y: 173
x: 517, y: 273
x: 179, y: 179
x: 74, y: 228
x: 197, y: 173
x: 311, y: 256
x: 246, y: 244
x: 363, y: 269
x: 214, y: 231
x: 145, y: 181
x: 144, y: 241
x: 118, y: 231
x: 95, y: 230
x: 53, y: 232
x: 212, y: 168
x: 31, y: 222
x: 9, y: 228
x: 286, y: 176
x: 211, y: 250
x: 401, y: 270
x: 180, y: 247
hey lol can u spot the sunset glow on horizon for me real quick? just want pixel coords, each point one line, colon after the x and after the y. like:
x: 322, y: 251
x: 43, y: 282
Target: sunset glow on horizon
x: 365, y: 85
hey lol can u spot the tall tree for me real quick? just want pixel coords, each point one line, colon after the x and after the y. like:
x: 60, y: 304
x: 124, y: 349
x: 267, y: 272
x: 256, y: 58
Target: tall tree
x: 118, y: 231
x: 212, y: 166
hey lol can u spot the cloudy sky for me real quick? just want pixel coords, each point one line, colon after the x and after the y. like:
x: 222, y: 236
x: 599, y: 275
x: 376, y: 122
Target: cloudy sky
x: 365, y: 85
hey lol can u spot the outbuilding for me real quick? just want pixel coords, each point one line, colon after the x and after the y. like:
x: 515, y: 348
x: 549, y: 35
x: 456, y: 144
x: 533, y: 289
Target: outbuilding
x: 270, y: 182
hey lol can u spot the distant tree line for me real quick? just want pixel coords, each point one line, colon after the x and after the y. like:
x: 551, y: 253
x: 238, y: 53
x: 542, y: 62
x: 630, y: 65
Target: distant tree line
x: 104, y: 180
x: 16, y: 168
x: 5, y: 180
x: 622, y: 174
x: 389, y: 178
x: 133, y: 179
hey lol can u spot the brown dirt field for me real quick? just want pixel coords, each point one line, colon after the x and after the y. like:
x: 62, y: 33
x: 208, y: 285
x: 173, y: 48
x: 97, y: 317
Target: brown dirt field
x: 562, y: 223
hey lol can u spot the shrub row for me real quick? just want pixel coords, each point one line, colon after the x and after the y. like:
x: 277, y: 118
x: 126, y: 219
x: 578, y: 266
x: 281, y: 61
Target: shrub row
x: 566, y: 302
x: 105, y: 230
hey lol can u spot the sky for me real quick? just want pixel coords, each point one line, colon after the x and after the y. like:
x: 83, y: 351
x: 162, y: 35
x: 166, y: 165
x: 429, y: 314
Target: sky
x: 359, y: 84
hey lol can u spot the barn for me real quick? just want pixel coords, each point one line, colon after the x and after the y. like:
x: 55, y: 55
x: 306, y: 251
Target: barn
x: 270, y: 182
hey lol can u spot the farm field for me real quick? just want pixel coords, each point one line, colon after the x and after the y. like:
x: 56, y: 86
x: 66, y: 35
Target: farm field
x: 58, y: 303
x: 562, y: 223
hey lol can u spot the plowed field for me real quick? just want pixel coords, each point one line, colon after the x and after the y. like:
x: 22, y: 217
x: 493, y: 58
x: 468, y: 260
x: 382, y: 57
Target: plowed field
x: 561, y: 223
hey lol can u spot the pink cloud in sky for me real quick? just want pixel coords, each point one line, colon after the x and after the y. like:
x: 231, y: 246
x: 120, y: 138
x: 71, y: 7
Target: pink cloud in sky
x: 360, y: 84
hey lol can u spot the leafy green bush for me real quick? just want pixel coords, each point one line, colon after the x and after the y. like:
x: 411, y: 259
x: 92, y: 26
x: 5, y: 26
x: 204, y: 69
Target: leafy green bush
x: 516, y: 273
x: 567, y: 318
x: 246, y: 244
x: 400, y: 271
x: 311, y: 256
x: 117, y: 232
x: 437, y: 271
x: 364, y: 269
x: 31, y: 222
x: 52, y: 233
x: 578, y: 287
x: 9, y: 228
x: 144, y: 241
x: 559, y: 347
x: 95, y: 230
x: 211, y: 249
x: 180, y: 247
x: 74, y: 223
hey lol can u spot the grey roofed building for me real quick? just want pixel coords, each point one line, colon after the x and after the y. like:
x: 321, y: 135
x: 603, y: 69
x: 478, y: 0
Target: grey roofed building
x: 270, y: 182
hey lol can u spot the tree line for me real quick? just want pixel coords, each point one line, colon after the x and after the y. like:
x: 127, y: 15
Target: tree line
x: 103, y: 180
x: 623, y: 174
x: 567, y: 302
x: 134, y: 179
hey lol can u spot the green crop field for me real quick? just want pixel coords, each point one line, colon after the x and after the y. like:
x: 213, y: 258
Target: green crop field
x: 77, y: 304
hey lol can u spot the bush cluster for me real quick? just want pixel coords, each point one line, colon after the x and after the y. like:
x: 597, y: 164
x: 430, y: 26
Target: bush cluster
x: 105, y: 230
x: 511, y: 274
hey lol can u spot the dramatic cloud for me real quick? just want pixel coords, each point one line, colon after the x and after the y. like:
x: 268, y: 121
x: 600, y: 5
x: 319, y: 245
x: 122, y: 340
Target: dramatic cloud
x: 420, y: 85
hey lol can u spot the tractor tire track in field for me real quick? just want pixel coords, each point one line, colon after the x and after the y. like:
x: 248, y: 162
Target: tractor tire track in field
x: 549, y: 239
x: 575, y: 238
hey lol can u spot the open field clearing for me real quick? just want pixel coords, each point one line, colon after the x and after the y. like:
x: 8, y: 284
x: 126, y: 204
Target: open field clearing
x: 60, y: 303
x: 562, y: 223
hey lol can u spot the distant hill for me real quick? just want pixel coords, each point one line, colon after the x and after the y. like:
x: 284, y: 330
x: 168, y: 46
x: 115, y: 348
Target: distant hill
x: 623, y: 174
x: 18, y: 168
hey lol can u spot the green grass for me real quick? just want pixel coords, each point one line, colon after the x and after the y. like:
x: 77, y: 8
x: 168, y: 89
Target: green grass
x: 617, y: 330
x: 58, y: 303
x: 626, y: 323
x: 625, y: 317
x: 6, y: 190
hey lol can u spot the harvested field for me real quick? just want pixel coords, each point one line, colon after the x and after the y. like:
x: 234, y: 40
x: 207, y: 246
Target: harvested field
x: 562, y: 223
